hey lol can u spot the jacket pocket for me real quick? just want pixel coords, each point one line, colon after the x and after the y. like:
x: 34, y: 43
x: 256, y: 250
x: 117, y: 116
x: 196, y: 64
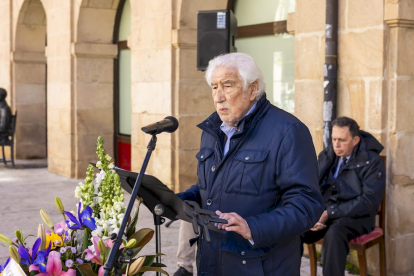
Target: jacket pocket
x: 245, y: 174
x: 203, y: 156
x: 238, y: 258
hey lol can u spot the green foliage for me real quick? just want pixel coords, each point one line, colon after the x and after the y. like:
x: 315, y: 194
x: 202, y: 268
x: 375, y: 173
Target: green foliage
x: 353, y: 269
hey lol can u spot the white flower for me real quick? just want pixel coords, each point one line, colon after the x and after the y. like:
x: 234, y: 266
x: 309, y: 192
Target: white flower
x: 111, y: 165
x: 105, y: 225
x: 78, y: 192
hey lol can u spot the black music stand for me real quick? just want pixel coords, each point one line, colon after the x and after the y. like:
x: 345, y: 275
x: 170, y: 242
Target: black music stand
x: 164, y: 203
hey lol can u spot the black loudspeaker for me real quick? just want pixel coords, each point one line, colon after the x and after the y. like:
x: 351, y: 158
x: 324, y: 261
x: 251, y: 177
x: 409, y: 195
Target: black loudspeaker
x: 215, y: 35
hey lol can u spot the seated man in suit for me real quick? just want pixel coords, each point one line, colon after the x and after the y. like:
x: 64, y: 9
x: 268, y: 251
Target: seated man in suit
x: 352, y: 183
x: 5, y: 116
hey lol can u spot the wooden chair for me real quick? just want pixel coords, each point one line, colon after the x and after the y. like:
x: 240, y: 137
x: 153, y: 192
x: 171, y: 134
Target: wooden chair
x: 361, y: 244
x: 10, y: 141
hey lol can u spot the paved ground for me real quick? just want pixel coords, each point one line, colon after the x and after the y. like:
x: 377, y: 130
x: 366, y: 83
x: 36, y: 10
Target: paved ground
x: 29, y: 187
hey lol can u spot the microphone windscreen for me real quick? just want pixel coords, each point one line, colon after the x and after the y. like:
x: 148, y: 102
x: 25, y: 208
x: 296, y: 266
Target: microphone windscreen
x: 171, y: 127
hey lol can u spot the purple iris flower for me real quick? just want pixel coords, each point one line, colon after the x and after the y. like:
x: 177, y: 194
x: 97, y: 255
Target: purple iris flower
x: 41, y: 261
x: 24, y: 252
x: 85, y: 219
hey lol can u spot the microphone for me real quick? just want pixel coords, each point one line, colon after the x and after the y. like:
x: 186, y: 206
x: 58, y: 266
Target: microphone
x: 169, y: 124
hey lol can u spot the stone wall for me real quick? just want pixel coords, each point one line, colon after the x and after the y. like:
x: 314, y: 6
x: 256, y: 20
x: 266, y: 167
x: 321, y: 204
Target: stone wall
x: 192, y: 96
x: 374, y: 87
x: 308, y: 25
x: 151, y: 73
x: 93, y: 52
x: 399, y: 15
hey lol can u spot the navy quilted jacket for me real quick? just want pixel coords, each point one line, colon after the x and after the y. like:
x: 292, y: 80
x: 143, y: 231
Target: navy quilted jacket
x: 270, y: 178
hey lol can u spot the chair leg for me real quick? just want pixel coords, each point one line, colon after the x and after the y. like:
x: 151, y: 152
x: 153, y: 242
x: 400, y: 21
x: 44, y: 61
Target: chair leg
x: 12, y: 154
x: 312, y: 259
x: 383, y: 261
x: 4, y: 156
x: 362, y: 260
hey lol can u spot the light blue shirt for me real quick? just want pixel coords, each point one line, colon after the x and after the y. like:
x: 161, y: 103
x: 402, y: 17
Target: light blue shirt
x: 339, y: 165
x: 229, y: 131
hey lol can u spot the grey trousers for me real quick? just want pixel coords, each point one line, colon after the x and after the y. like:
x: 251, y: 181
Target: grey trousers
x: 185, y: 252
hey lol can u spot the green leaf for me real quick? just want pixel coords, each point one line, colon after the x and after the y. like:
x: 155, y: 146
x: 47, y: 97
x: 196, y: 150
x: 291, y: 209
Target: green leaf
x: 86, y: 270
x: 143, y: 236
x: 131, y: 227
x: 149, y: 260
x: 156, y: 269
x: 158, y: 265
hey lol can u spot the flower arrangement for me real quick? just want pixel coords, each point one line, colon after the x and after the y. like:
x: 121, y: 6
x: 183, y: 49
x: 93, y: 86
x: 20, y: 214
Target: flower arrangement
x: 80, y: 243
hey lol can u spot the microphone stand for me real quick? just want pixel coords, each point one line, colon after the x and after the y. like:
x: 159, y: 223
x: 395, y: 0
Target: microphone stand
x: 115, y: 259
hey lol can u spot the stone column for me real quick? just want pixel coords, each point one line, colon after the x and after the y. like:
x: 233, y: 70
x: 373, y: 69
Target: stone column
x: 361, y: 49
x: 93, y: 101
x: 152, y: 100
x: 308, y: 25
x: 193, y: 100
x: 194, y: 104
x: 399, y: 16
x: 60, y: 97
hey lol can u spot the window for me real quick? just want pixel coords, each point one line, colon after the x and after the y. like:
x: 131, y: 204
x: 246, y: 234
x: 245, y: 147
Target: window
x: 273, y: 50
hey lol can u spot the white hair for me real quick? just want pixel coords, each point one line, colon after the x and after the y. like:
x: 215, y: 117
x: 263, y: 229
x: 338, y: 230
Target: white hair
x: 247, y: 69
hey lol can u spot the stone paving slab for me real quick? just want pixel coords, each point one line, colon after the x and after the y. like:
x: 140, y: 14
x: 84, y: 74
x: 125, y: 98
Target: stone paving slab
x: 30, y: 187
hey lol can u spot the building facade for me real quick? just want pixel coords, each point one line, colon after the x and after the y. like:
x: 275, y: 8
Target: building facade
x: 78, y: 69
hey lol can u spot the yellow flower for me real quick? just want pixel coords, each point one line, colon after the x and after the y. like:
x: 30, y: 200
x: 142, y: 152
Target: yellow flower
x: 55, y: 239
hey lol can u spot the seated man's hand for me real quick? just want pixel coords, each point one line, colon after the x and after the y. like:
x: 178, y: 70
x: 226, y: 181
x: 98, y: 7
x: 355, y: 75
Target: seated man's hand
x: 321, y: 223
x: 235, y: 223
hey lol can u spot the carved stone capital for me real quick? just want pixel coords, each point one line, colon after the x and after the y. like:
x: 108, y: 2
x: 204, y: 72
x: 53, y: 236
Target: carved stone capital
x: 400, y: 23
x: 94, y: 50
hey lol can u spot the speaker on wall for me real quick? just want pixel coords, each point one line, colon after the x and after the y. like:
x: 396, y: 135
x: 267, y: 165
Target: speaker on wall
x: 215, y: 35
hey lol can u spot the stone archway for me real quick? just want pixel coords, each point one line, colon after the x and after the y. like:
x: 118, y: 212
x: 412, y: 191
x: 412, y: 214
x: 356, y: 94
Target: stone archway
x: 29, y: 81
x: 94, y: 52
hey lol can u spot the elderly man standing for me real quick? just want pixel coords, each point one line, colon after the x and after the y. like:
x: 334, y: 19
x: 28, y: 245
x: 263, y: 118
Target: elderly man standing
x: 257, y: 169
x: 352, y: 182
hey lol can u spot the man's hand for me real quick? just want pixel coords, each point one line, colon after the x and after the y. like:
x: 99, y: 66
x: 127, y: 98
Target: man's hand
x: 235, y: 223
x: 321, y: 223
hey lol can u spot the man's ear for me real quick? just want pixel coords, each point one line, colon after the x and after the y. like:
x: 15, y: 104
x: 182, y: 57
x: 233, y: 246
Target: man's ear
x: 252, y: 89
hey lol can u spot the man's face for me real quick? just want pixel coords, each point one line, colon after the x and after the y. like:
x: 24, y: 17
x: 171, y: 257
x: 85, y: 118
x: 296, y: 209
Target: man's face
x: 342, y: 141
x: 231, y: 102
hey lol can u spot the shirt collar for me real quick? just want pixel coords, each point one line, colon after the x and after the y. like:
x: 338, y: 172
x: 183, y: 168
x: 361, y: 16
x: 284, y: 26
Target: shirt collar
x: 227, y: 129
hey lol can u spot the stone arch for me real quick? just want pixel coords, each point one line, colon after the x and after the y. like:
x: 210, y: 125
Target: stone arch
x: 29, y: 80
x: 96, y: 21
x: 94, y: 51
